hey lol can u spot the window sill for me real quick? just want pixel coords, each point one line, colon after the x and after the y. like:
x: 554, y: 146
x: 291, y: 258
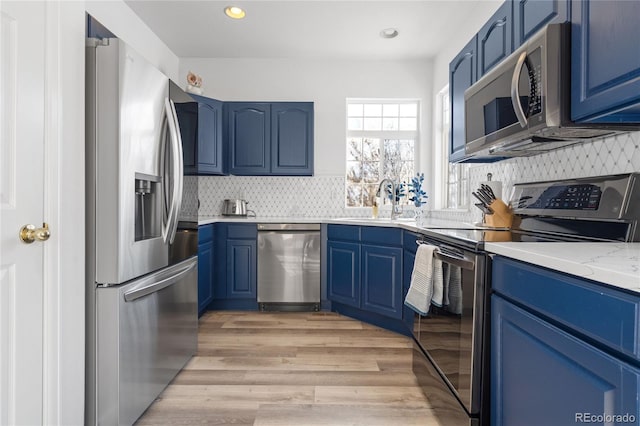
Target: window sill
x: 462, y: 210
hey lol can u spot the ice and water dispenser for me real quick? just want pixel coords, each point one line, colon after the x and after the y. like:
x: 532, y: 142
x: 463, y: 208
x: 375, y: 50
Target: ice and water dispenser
x: 148, y: 195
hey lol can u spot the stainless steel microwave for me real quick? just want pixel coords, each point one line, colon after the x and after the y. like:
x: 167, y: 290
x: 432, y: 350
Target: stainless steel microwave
x: 522, y: 106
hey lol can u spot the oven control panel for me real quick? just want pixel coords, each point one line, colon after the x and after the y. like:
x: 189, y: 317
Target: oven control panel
x: 567, y: 197
x: 602, y: 197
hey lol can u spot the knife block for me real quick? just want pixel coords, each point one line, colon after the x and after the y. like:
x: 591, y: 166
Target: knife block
x: 502, y: 216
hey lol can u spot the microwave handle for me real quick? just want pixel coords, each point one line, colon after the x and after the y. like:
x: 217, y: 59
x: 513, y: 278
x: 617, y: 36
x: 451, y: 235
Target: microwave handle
x: 515, y: 95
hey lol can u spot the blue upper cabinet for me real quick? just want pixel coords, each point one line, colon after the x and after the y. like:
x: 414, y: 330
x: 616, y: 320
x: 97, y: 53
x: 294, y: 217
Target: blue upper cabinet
x: 201, y: 132
x: 292, y: 138
x: 270, y: 138
x: 210, y: 143
x: 605, y: 61
x: 495, y: 39
x: 530, y: 16
x: 462, y: 74
x: 249, y: 133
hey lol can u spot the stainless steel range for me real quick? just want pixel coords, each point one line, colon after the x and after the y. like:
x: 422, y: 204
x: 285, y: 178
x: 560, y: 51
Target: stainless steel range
x: 455, y: 337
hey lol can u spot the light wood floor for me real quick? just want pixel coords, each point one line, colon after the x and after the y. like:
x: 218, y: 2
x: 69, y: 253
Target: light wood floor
x: 256, y: 368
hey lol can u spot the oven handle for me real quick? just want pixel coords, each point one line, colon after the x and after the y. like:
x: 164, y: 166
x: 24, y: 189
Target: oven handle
x: 456, y: 261
x: 462, y: 263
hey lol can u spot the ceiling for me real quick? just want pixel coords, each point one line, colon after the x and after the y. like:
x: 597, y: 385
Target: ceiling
x: 306, y: 29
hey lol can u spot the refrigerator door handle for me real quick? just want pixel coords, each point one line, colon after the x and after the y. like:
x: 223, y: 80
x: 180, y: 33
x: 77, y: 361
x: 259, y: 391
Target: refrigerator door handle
x: 177, y: 168
x: 152, y: 286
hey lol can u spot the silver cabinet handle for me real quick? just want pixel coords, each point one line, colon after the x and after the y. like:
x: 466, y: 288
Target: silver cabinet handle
x: 515, y: 95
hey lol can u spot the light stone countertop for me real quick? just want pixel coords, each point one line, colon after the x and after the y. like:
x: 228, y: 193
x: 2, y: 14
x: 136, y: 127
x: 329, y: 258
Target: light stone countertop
x: 616, y: 264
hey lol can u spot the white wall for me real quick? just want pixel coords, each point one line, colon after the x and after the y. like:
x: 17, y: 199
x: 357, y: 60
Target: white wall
x: 325, y: 82
x: 466, y: 28
x: 118, y: 18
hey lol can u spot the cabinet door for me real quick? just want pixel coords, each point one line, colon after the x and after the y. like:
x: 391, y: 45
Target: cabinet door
x: 530, y: 16
x: 462, y: 74
x: 292, y: 138
x: 408, y: 259
x: 605, y: 61
x: 210, y: 142
x: 495, y: 39
x: 188, y: 120
x: 205, y: 275
x: 249, y: 132
x: 541, y: 375
x: 343, y: 272
x: 382, y: 280
x: 241, y: 269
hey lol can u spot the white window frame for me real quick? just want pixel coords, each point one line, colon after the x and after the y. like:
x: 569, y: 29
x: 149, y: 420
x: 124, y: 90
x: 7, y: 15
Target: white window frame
x: 442, y: 166
x: 382, y: 135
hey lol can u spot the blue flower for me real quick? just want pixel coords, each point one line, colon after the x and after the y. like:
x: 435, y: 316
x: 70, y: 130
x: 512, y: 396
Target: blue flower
x: 419, y: 197
x: 399, y: 191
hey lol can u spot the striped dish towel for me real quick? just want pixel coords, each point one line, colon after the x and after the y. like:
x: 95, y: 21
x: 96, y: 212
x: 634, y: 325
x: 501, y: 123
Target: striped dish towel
x: 426, y: 270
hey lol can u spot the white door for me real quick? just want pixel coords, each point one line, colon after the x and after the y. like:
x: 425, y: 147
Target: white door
x: 22, y: 112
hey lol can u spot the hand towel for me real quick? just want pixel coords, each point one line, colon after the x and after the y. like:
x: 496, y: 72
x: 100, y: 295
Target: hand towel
x: 421, y: 289
x: 438, y: 283
x: 455, y: 290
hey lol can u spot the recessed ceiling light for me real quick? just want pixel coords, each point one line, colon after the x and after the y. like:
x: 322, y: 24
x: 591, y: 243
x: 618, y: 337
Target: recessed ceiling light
x: 389, y: 33
x: 234, y: 12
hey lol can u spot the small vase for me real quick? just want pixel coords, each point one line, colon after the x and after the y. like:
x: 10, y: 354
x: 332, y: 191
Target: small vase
x: 420, y: 215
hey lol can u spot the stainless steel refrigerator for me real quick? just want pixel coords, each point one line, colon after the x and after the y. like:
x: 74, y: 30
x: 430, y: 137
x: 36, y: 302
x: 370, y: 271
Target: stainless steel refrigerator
x: 141, y: 302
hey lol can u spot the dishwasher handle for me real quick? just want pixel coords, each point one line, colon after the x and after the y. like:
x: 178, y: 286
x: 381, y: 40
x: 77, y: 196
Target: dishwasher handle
x: 288, y: 227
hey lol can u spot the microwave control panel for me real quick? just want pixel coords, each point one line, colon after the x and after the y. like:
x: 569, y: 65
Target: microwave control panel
x: 534, y: 67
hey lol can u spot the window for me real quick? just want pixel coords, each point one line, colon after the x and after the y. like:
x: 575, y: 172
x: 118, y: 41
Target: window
x: 454, y: 177
x: 381, y: 141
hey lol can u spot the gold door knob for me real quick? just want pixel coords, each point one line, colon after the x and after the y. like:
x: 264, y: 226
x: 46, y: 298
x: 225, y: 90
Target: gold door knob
x: 29, y: 233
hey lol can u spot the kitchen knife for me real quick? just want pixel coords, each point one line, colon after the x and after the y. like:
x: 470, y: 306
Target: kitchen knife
x: 482, y: 199
x: 484, y: 209
x: 483, y: 191
x: 489, y: 190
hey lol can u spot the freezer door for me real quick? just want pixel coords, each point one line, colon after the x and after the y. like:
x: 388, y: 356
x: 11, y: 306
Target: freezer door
x: 146, y: 332
x: 130, y: 125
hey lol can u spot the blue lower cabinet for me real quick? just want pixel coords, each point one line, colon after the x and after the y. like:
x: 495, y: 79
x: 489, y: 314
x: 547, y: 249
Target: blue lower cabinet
x: 382, y: 280
x: 408, y: 260
x: 205, y: 275
x: 365, y: 275
x: 205, y: 267
x: 241, y: 269
x: 235, y: 278
x: 541, y: 375
x: 343, y: 272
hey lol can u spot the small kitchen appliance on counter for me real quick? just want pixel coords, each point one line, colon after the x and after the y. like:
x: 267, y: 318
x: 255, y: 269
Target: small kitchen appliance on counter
x: 236, y: 208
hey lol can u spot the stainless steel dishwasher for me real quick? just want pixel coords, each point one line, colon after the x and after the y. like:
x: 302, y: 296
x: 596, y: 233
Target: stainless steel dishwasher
x: 289, y: 266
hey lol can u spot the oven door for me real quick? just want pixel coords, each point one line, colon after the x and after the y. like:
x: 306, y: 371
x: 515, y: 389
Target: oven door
x: 453, y: 336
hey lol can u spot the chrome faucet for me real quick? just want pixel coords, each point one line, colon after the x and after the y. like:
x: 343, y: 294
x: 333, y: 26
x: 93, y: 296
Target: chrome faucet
x: 394, y: 202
